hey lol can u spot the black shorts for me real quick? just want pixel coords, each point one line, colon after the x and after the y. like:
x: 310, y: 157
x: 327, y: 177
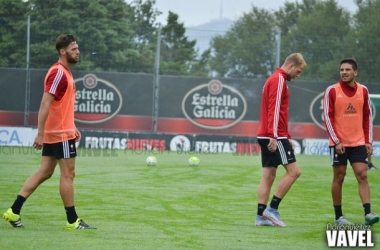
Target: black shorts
x: 353, y: 154
x: 65, y: 149
x: 283, y: 155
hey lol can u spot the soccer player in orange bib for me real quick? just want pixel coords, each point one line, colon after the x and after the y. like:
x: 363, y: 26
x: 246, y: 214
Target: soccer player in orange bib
x: 56, y: 135
x: 348, y: 121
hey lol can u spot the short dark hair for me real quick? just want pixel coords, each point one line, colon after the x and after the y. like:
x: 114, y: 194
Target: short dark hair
x: 350, y: 61
x: 63, y: 41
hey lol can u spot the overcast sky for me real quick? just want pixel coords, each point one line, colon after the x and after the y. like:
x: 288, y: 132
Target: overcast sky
x: 196, y: 12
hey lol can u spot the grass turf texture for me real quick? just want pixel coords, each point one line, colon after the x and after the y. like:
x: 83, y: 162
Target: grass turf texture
x: 172, y: 205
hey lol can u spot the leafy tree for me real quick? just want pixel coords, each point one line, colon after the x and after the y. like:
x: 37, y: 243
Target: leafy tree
x: 319, y: 30
x: 248, y: 49
x: 116, y: 36
x: 101, y: 27
x: 201, y: 66
x: 144, y: 21
x: 367, y: 37
x: 13, y: 17
x: 145, y: 38
x: 177, y: 52
x: 109, y: 32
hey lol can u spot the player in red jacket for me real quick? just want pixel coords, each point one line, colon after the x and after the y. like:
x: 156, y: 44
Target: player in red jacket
x: 274, y: 140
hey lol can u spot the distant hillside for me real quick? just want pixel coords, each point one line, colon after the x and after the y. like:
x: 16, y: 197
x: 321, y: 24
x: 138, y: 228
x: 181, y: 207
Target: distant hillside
x: 203, y: 33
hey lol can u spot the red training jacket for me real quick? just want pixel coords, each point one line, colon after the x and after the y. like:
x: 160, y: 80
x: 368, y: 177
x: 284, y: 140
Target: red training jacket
x: 274, y: 111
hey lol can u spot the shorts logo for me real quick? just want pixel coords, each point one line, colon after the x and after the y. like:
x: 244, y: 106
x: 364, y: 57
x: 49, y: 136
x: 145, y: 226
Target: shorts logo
x: 290, y: 158
x: 72, y: 151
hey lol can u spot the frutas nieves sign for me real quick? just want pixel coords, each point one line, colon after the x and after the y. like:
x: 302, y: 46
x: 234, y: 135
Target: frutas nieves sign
x: 214, y: 105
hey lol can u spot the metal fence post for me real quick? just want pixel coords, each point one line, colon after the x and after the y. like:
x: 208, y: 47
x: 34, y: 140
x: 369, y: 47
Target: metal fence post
x: 156, y: 83
x: 278, y: 48
x: 27, y: 84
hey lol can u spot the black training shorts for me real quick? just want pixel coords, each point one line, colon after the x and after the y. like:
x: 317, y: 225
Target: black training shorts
x: 353, y: 154
x: 283, y: 155
x: 59, y: 150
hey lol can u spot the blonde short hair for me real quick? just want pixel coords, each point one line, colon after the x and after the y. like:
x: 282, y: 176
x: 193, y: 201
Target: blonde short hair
x: 297, y: 59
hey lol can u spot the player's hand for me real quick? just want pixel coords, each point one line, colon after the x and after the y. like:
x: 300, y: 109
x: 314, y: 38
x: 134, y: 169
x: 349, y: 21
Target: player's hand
x: 339, y: 148
x: 291, y: 143
x: 78, y: 135
x: 272, y: 146
x: 369, y: 149
x: 38, y: 142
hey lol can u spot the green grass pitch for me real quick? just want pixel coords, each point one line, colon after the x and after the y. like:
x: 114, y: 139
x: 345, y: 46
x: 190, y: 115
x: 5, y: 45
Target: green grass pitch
x: 172, y: 205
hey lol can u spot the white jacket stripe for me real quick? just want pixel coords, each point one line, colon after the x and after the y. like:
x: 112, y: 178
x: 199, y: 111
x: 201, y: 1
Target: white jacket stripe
x: 326, y: 108
x: 278, y: 104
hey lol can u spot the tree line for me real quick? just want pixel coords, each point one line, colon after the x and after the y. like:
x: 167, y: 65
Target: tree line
x: 117, y: 36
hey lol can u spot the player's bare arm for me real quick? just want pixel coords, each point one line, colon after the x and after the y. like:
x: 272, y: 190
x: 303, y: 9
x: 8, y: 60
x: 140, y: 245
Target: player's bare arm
x: 43, y: 113
x: 78, y: 135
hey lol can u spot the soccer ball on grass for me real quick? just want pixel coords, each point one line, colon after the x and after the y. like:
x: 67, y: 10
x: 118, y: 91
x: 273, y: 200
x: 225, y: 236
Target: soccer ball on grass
x: 151, y: 161
x: 194, y: 161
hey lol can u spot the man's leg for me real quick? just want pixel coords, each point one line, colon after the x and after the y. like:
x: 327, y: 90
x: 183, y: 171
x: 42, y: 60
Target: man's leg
x: 337, y: 183
x: 267, y: 179
x: 45, y: 172
x: 336, y: 192
x: 292, y: 174
x: 360, y: 170
x: 66, y: 188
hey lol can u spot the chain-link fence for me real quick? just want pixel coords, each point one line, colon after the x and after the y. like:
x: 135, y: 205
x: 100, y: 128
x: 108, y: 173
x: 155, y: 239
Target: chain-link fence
x: 207, y: 53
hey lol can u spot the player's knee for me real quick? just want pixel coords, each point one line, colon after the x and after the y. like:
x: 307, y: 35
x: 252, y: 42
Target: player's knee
x: 295, y: 174
x: 45, y: 175
x: 69, y: 175
x: 272, y: 177
x: 362, y: 176
x: 339, y: 178
x: 72, y: 174
x: 293, y: 171
x: 269, y: 173
x: 341, y: 175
